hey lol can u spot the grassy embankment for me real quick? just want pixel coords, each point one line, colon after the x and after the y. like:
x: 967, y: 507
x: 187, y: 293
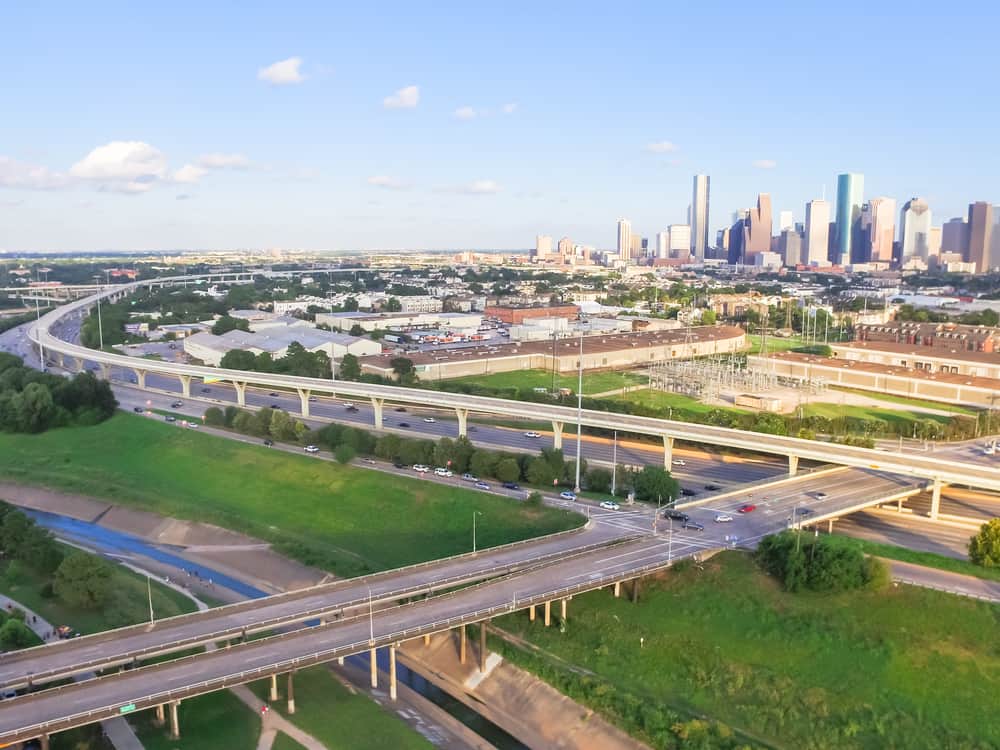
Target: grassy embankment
x: 597, y: 382
x: 214, y: 721
x: 904, y: 667
x: 346, y: 519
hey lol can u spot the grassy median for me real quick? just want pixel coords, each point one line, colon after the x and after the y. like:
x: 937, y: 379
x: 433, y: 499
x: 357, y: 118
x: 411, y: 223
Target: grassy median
x: 346, y: 519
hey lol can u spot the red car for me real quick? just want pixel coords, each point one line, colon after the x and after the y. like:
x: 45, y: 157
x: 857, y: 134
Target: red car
x: 748, y: 508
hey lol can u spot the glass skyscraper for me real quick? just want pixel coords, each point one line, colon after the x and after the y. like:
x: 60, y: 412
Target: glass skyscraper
x: 850, y: 196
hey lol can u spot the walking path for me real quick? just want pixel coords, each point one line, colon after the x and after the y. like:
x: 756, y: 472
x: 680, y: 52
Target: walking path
x: 943, y: 580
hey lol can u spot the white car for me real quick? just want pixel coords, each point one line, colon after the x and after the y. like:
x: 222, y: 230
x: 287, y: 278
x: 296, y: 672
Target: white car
x: 443, y: 472
x: 723, y: 518
x: 312, y: 449
x: 533, y: 434
x: 609, y: 505
x: 567, y: 495
x: 421, y: 468
x: 680, y: 462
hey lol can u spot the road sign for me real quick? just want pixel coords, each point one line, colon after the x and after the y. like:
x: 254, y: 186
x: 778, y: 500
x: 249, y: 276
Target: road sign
x: 126, y: 709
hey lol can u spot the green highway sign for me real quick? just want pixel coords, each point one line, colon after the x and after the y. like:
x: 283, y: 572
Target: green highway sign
x: 127, y: 708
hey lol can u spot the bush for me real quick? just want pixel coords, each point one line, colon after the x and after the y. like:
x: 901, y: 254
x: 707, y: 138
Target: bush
x: 83, y: 580
x: 215, y: 417
x: 822, y: 563
x: 984, y: 547
x: 344, y: 453
x: 598, y: 480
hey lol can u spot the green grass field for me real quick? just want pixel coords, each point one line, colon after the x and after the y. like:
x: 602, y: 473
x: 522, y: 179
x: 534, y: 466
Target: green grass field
x: 913, y: 403
x: 774, y: 344
x: 928, y: 559
x: 341, y: 719
x: 214, y: 721
x: 283, y: 742
x: 598, y: 382
x: 664, y: 399
x: 344, y: 518
x: 892, y: 416
x: 899, y: 668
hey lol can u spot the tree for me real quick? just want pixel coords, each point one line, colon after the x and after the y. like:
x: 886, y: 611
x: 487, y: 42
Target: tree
x: 344, y: 453
x: 598, y: 480
x: 484, y: 463
x: 508, y: 470
x: 282, y: 426
x: 387, y: 447
x: 655, y: 483
x: 540, y: 471
x: 392, y: 305
x: 238, y: 359
x: 214, y: 417
x: 14, y: 634
x: 404, y: 370
x: 83, y: 580
x: 226, y: 323
x: 350, y: 305
x: 349, y: 369
x: 357, y: 330
x: 708, y: 317
x: 984, y: 547
x: 33, y: 408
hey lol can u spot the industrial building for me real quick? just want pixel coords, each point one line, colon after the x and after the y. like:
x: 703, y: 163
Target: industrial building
x: 401, y: 321
x: 956, y: 361
x: 517, y: 315
x: 210, y: 349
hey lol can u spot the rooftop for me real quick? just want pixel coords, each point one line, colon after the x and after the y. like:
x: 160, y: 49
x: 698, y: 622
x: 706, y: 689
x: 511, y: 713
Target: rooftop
x: 920, y: 352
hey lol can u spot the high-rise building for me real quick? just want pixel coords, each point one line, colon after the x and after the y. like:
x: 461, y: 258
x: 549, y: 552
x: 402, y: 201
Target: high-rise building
x: 995, y: 245
x: 981, y: 236
x: 934, y: 244
x: 680, y: 241
x: 698, y: 219
x: 737, y: 237
x: 955, y: 236
x: 722, y: 240
x: 914, y: 230
x: 624, y: 239
x: 878, y: 231
x: 566, y: 247
x: 817, y: 240
x: 543, y: 246
x: 850, y: 194
x: 791, y: 247
x: 757, y: 229
x: 663, y: 244
x: 785, y: 221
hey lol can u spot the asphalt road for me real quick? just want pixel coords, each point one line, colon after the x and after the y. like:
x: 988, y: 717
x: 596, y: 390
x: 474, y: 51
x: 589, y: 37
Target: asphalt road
x: 903, y: 530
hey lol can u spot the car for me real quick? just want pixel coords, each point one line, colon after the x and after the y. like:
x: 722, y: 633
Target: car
x: 467, y: 477
x: 421, y: 468
x: 7, y: 694
x: 712, y: 487
x: 688, y: 492
x: 268, y: 442
x: 804, y: 511
x: 511, y: 486
x: 533, y: 434
x: 676, y: 515
x: 680, y: 462
x: 430, y: 420
x: 352, y: 408
x: 398, y: 465
x: 370, y: 461
x: 169, y: 418
x: 567, y: 495
x: 191, y: 425
x: 176, y: 404
x: 723, y: 518
x: 481, y: 486
x: 273, y: 394
x: 404, y: 424
x: 206, y: 390
x: 311, y: 399
x: 819, y: 495
x: 138, y: 409
x: 443, y: 472
x: 312, y: 449
x: 693, y: 526
x: 747, y: 508
x: 609, y: 505
x: 276, y: 406
x: 400, y: 408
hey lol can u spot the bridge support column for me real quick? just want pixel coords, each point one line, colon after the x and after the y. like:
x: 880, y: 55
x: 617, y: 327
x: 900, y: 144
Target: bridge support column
x: 373, y: 666
x: 531, y: 613
x: 377, y: 410
x: 668, y: 452
x: 461, y: 644
x: 274, y: 688
x: 185, y: 385
x: 427, y: 640
x: 829, y: 525
x: 392, y: 673
x: 557, y: 428
x: 936, y: 498
x: 304, y: 401
x: 105, y: 371
x: 482, y: 646
x: 78, y: 364
x: 44, y: 739
x: 635, y: 590
x: 548, y: 613
x: 241, y: 393
x: 618, y: 589
x: 562, y: 610
x: 340, y: 660
x: 161, y: 717
x: 140, y: 377
x: 463, y: 422
x: 291, y: 694
x: 175, y: 727
x: 793, y: 465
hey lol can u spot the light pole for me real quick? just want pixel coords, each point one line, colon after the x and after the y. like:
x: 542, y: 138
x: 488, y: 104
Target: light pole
x: 474, y: 514
x: 579, y: 413
x: 371, y: 618
x: 614, y: 463
x: 149, y: 592
x: 41, y: 349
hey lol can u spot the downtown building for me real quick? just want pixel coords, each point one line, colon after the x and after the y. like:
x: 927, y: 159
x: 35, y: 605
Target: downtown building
x: 817, y: 238
x: 915, y: 241
x: 699, y: 216
x: 850, y: 194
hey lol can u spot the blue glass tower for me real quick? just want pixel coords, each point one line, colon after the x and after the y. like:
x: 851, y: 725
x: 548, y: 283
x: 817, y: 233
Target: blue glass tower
x: 850, y: 196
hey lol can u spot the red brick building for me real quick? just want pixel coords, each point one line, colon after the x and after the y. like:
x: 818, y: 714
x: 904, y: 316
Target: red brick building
x: 517, y: 315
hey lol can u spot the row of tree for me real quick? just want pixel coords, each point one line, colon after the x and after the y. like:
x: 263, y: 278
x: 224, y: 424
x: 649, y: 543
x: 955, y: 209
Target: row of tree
x: 297, y: 361
x: 819, y: 563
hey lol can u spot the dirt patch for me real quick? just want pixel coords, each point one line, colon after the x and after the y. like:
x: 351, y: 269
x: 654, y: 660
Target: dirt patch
x: 37, y: 498
x: 265, y: 567
x: 162, y: 530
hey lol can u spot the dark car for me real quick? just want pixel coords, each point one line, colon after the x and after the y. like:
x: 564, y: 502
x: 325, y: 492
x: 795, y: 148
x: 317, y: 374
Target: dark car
x: 206, y: 390
x: 804, y: 511
x: 268, y: 442
x: 404, y: 424
x: 176, y: 404
x: 137, y: 409
x: 399, y: 464
x: 273, y: 395
x: 511, y: 486
x: 400, y: 408
x: 676, y: 515
x: 712, y: 487
x: 352, y: 408
x: 688, y: 493
x: 693, y: 526
x: 170, y: 418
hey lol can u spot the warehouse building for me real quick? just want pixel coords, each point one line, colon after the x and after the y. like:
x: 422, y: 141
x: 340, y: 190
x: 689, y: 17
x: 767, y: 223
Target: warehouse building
x: 211, y: 349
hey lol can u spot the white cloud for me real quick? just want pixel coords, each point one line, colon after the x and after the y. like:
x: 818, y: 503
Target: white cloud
x: 122, y: 166
x: 509, y: 108
x: 223, y: 161
x: 388, y: 182
x: 182, y: 197
x: 283, y: 72
x: 661, y: 147
x: 17, y: 174
x: 405, y: 98
x: 189, y: 173
x: 480, y: 187
x: 765, y: 164
x: 465, y: 113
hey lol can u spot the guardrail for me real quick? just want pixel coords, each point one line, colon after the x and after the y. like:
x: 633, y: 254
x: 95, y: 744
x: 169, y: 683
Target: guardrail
x: 947, y: 590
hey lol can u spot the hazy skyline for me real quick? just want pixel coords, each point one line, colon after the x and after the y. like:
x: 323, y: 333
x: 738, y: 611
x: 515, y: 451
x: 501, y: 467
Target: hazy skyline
x: 187, y: 126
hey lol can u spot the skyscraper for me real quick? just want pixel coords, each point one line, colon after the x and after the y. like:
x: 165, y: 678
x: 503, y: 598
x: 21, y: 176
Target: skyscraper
x: 699, y: 216
x: 878, y: 230
x: 663, y: 244
x: 757, y: 229
x: 791, y: 247
x: 914, y: 230
x: 785, y: 221
x: 680, y: 241
x: 980, y: 236
x: 955, y: 236
x: 737, y: 237
x: 850, y: 193
x: 565, y: 248
x: 817, y: 233
x: 624, y: 239
x: 543, y: 246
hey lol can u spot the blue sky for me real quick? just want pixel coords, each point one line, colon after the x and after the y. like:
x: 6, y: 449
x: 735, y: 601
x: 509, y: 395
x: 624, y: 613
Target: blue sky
x: 158, y: 126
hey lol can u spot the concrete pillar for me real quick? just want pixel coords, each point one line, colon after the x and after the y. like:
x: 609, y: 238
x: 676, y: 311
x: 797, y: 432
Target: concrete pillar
x: 291, y: 694
x: 427, y: 639
x: 392, y: 673
x: 618, y: 589
x: 793, y: 465
x: 936, y: 498
x: 482, y: 646
x: 531, y: 613
x: 304, y: 401
x: 461, y: 644
x: 562, y: 612
x: 44, y: 740
x: 373, y: 667
x: 548, y: 613
x: 340, y: 660
x: 161, y: 717
x: 105, y: 371
x: 185, y: 385
x: 635, y: 590
x: 175, y: 727
x: 557, y: 434
x: 274, y: 688
x: 668, y: 452
x: 829, y: 526
x: 377, y: 409
x: 78, y: 364
x: 463, y: 421
x: 241, y: 393
x: 140, y: 377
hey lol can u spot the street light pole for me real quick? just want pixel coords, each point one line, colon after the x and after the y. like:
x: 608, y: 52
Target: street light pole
x: 614, y: 463
x: 149, y: 592
x: 100, y: 326
x: 579, y: 413
x: 371, y: 618
x: 474, y: 514
x: 41, y: 349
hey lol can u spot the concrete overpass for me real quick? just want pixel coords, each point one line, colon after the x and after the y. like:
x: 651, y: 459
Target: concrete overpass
x: 939, y: 470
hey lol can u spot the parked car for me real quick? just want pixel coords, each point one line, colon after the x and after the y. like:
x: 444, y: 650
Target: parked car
x: 511, y: 486
x: 747, y: 508
x: 443, y: 472
x: 723, y: 518
x: 467, y: 477
x: 567, y: 495
x: 398, y: 465
x: 481, y: 486
x: 676, y: 515
x: 609, y: 505
x: 312, y: 449
x: 533, y: 434
x: 421, y: 468
x: 268, y: 442
x: 693, y: 526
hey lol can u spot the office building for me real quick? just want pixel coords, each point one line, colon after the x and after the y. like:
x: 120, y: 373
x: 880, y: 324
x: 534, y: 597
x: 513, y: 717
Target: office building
x: 981, y: 236
x: 663, y: 244
x: 722, y: 241
x: 737, y: 237
x: 791, y: 246
x: 914, y: 231
x: 757, y: 229
x: 785, y: 221
x: 680, y: 241
x: 850, y: 192
x: 624, y: 240
x: 878, y: 230
x: 955, y: 236
x: 698, y: 219
x: 817, y: 239
x: 565, y: 247
x: 543, y: 247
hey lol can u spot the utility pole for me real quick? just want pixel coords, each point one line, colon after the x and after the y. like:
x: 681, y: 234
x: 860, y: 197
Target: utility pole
x: 149, y: 592
x: 579, y: 413
x: 614, y: 462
